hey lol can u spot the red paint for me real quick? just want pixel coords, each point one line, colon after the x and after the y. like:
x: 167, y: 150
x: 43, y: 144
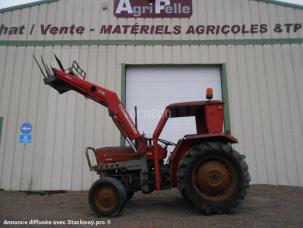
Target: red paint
x: 156, y: 135
x: 214, y: 118
x: 118, y: 154
x: 153, y: 8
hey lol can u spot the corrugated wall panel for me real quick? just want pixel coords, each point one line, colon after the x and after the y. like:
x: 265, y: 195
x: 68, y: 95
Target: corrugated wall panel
x: 9, y: 126
x: 264, y: 84
x: 90, y: 14
x: 294, y: 113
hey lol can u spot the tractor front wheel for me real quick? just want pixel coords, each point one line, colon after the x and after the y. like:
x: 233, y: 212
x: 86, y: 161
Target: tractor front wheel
x: 107, y: 197
x: 213, y: 178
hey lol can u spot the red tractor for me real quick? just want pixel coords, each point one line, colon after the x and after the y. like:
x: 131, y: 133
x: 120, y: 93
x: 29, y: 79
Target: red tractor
x: 209, y: 173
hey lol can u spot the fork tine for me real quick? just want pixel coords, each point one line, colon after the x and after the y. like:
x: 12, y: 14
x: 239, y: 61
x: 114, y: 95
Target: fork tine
x: 39, y: 66
x: 46, y: 68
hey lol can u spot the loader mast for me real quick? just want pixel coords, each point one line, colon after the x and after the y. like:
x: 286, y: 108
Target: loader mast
x: 65, y: 80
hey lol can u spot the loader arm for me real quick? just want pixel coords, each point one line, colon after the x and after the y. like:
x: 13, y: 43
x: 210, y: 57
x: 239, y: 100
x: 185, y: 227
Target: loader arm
x: 65, y: 80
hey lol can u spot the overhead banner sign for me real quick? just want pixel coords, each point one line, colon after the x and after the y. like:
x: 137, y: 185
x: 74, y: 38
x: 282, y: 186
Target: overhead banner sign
x: 153, y: 8
x: 156, y: 29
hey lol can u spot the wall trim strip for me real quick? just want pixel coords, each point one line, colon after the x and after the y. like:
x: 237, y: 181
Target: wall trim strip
x: 268, y: 41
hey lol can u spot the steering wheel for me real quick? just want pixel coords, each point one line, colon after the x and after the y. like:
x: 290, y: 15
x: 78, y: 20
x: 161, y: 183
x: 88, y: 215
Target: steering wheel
x: 167, y: 143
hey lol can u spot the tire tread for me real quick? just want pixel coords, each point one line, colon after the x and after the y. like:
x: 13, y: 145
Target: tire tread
x: 201, y: 150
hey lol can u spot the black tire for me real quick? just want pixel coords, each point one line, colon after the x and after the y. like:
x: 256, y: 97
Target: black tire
x: 107, y: 197
x: 226, y: 183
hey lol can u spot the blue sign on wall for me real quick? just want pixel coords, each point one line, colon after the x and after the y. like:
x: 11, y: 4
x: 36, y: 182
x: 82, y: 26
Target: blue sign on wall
x: 26, y: 128
x: 25, y: 139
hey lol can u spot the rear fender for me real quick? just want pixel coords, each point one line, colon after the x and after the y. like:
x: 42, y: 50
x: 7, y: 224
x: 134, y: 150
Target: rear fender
x: 188, y: 142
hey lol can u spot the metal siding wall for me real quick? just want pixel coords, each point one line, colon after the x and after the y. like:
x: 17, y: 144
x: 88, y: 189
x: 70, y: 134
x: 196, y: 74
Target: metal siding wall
x: 266, y: 106
x: 264, y: 85
x: 90, y: 14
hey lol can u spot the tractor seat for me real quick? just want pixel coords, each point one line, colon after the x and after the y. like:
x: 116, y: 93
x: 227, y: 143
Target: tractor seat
x: 114, y: 154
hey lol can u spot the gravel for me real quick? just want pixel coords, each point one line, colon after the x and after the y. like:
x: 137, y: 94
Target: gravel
x: 265, y: 206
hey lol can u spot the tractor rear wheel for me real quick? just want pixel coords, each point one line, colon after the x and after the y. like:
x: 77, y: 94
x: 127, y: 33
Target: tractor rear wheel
x: 107, y: 197
x: 213, y: 178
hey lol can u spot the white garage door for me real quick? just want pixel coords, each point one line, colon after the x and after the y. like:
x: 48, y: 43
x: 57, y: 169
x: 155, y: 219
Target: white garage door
x: 152, y: 88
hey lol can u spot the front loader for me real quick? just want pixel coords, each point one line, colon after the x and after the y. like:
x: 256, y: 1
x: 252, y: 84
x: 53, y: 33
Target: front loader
x: 209, y: 173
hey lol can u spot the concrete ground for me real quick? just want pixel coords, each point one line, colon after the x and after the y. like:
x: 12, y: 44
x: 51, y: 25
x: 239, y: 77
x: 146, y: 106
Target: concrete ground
x: 265, y: 206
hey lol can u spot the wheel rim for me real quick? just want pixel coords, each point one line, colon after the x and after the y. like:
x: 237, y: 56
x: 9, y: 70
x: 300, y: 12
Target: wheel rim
x: 214, y: 179
x: 106, y: 198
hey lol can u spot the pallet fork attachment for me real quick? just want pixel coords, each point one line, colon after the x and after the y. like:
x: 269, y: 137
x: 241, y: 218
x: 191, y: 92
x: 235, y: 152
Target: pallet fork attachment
x: 49, y: 74
x: 73, y: 78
